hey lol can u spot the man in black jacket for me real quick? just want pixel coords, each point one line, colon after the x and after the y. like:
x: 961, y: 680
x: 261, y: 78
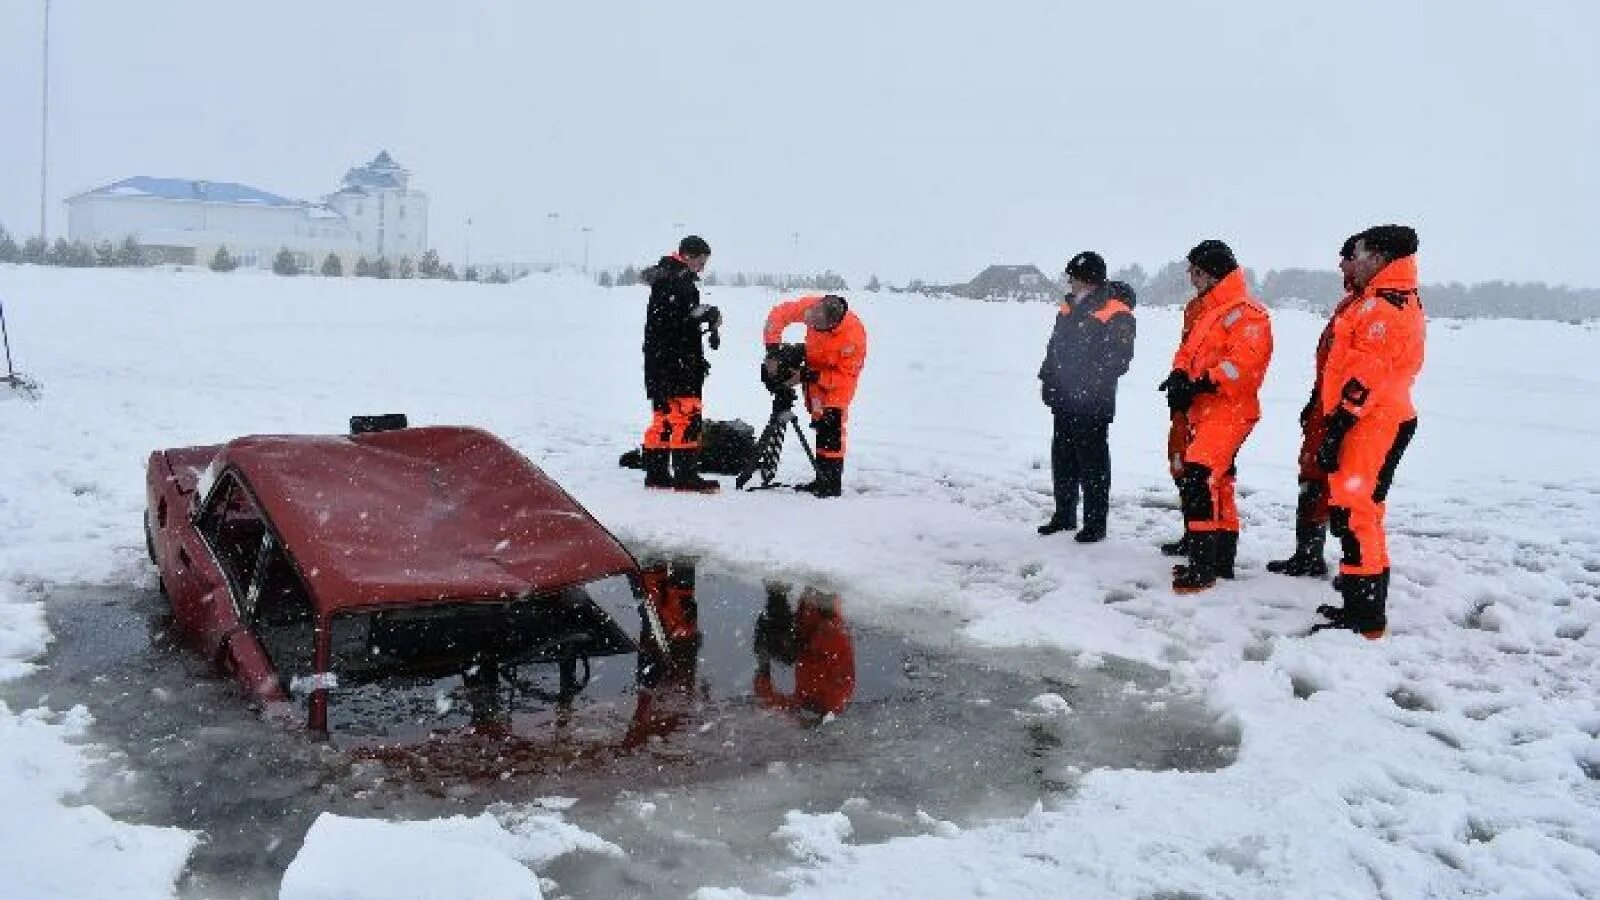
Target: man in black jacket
x: 675, y: 368
x: 1090, y: 348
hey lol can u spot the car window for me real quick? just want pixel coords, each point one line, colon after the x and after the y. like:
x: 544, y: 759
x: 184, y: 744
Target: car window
x: 278, y: 608
x: 234, y: 528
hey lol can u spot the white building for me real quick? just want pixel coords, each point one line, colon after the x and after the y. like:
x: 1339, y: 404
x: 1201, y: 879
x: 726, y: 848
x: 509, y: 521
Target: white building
x: 374, y: 215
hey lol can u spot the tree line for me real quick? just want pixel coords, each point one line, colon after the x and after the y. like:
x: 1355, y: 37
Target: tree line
x: 1317, y: 290
x: 827, y: 281
x: 130, y: 253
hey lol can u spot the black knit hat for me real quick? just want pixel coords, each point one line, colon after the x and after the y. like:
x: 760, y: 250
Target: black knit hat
x: 1393, y: 241
x: 836, y: 307
x: 1213, y: 257
x: 1347, y: 250
x: 694, y: 245
x: 1087, y: 266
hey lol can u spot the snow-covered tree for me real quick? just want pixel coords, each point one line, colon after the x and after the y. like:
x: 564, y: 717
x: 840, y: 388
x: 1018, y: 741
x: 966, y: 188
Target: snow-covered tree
x: 284, y: 263
x: 223, y: 261
x: 429, y: 266
x: 9, y: 251
x: 363, y: 268
x: 131, y: 253
x: 332, y: 266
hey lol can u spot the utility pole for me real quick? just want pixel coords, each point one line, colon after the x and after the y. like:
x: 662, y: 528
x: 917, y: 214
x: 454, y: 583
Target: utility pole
x: 555, y: 219
x: 467, y: 263
x: 586, y: 232
x: 44, y: 128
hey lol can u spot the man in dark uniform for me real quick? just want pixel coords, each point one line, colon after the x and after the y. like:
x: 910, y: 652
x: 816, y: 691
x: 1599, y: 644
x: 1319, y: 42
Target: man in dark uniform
x: 675, y: 368
x: 1090, y: 348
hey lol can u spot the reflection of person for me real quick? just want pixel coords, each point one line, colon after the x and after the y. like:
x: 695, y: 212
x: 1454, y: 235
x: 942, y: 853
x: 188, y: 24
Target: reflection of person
x: 1090, y: 348
x: 836, y: 351
x: 666, y: 692
x: 1311, y: 509
x: 1374, y: 356
x: 675, y: 368
x: 1215, y: 380
x: 813, y: 638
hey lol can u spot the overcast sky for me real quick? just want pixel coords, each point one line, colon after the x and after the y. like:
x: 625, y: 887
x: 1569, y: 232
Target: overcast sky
x: 909, y: 140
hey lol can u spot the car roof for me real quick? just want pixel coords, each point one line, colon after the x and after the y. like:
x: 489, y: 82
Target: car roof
x: 421, y: 515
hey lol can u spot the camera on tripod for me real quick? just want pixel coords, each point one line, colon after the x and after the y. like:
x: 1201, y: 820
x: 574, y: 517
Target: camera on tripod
x: 783, y: 368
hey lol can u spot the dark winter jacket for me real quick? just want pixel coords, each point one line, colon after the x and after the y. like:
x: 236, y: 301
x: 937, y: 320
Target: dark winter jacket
x: 674, y: 362
x: 1090, y: 348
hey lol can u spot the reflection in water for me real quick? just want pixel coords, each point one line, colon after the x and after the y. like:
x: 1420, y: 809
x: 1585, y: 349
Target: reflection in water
x: 815, y: 640
x: 678, y: 733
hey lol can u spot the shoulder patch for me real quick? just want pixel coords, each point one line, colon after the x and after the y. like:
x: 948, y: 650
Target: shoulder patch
x: 1396, y: 298
x: 1232, y: 319
x: 1367, y: 306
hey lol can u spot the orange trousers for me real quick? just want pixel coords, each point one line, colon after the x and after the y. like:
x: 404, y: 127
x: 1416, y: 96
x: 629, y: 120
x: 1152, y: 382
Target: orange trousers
x: 674, y: 424
x: 1206, y: 483
x: 1358, y: 490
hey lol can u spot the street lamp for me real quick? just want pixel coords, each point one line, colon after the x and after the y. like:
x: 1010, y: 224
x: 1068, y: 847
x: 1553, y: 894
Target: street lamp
x: 555, y: 219
x: 586, y: 232
x: 44, y: 125
x: 467, y: 261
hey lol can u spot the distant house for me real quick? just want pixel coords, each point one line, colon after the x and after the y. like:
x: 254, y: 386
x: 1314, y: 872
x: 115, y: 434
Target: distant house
x: 184, y: 221
x: 1008, y: 283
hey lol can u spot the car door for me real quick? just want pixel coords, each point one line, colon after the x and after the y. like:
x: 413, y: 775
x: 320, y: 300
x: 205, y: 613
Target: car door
x: 221, y: 554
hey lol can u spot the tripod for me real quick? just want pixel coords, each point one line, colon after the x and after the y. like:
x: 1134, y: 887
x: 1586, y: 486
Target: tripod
x: 769, y: 447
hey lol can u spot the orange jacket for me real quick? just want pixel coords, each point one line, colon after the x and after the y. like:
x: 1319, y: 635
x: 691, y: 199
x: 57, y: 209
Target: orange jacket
x: 1230, y: 341
x: 1377, y: 347
x: 836, y: 355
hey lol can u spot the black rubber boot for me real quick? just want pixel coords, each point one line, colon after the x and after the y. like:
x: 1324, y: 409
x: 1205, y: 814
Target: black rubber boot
x: 1179, y: 547
x: 1365, y: 610
x: 1200, y: 572
x: 829, y: 481
x: 686, y: 474
x: 1059, y: 522
x: 1227, y: 549
x: 1307, y: 560
x: 657, y: 468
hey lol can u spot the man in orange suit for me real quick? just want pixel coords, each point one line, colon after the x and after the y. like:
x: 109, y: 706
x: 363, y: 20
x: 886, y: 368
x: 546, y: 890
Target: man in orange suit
x: 836, y: 351
x: 1216, y: 377
x: 1374, y: 355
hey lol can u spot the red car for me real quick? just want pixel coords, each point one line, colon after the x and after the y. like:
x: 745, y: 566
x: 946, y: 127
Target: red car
x: 300, y: 563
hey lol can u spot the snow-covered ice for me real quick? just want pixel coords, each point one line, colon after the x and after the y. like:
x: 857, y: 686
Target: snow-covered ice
x: 1458, y: 757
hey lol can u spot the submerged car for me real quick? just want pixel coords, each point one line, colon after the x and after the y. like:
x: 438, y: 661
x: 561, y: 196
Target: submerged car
x: 301, y: 564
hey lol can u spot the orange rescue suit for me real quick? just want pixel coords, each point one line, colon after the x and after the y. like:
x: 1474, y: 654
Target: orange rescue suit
x: 1228, y: 343
x: 1374, y: 355
x: 836, y: 355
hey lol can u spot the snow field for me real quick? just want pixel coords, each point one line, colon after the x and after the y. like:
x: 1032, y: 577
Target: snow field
x: 1460, y: 756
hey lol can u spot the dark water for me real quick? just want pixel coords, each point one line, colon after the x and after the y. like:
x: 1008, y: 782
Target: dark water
x: 692, y: 792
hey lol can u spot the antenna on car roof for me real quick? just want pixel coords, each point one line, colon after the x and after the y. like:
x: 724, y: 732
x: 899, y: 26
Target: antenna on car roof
x: 14, y: 380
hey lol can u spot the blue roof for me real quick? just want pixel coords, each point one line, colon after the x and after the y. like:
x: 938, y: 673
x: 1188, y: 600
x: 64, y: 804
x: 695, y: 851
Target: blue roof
x: 186, y: 189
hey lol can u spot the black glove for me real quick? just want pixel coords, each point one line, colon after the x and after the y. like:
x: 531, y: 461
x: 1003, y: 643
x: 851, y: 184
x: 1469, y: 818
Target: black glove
x: 1204, y: 385
x: 1308, y: 411
x: 809, y: 375
x: 1180, y: 391
x: 1339, y: 422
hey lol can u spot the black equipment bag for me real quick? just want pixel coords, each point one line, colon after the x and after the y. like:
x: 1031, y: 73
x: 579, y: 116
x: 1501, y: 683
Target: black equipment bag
x: 724, y: 447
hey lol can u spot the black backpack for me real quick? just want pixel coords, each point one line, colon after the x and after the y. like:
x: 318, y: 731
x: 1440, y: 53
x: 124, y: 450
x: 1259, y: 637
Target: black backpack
x: 725, y: 447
